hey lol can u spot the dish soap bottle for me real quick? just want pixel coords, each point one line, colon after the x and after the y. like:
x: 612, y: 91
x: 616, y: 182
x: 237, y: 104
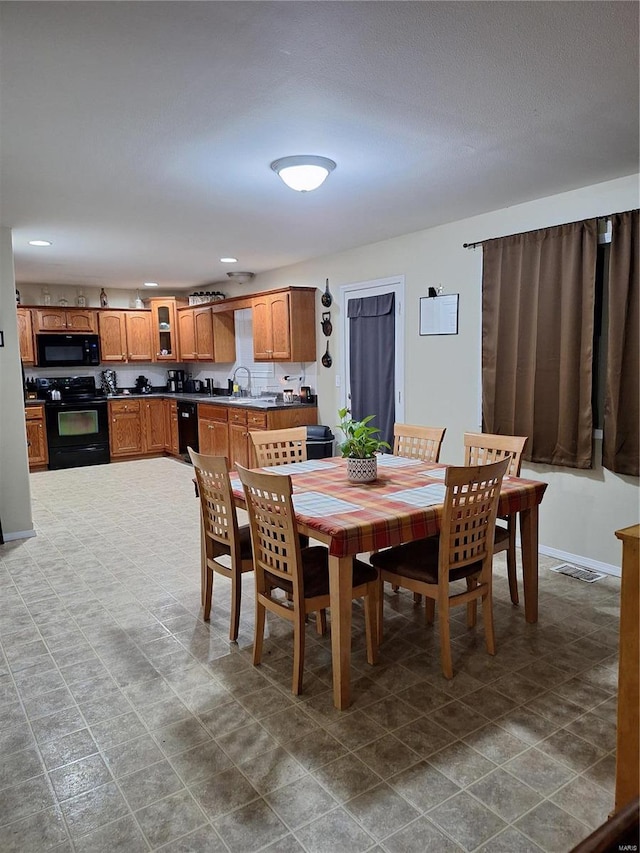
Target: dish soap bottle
x: 104, y: 302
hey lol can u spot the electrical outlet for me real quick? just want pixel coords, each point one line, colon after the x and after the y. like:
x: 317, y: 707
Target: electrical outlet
x: 337, y: 381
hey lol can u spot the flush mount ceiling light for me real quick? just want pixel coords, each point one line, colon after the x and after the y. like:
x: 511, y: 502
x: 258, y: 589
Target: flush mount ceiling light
x: 304, y: 172
x: 228, y: 260
x: 151, y: 284
x: 241, y: 277
x: 40, y: 243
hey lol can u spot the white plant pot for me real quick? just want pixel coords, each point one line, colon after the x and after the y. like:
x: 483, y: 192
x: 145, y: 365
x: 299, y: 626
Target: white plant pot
x: 362, y: 470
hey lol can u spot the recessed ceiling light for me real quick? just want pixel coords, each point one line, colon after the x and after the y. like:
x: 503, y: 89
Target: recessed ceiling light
x: 229, y: 260
x: 39, y: 242
x: 151, y: 284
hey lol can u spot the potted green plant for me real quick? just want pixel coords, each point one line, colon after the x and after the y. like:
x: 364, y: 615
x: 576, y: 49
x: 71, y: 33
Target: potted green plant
x: 360, y: 447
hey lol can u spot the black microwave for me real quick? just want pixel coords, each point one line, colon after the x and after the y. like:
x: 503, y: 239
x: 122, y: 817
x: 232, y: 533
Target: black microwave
x: 68, y: 350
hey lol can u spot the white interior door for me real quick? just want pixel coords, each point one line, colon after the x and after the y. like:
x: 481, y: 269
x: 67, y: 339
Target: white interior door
x: 361, y: 290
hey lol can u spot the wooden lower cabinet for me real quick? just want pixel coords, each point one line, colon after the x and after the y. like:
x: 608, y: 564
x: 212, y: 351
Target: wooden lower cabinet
x: 37, y: 450
x: 213, y: 432
x: 153, y: 422
x: 125, y: 428
x: 138, y: 427
x: 244, y: 421
x: 171, y: 444
x: 239, y: 437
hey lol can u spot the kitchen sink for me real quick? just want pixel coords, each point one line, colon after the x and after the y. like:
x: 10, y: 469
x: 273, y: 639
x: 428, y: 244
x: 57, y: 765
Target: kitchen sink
x: 251, y: 401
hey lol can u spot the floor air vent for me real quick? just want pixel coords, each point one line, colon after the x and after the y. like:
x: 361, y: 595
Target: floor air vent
x: 576, y: 572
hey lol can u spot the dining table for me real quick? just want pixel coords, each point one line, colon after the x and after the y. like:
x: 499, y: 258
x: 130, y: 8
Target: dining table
x: 404, y: 503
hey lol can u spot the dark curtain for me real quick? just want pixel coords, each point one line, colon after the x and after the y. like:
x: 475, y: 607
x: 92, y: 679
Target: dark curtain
x: 372, y: 361
x: 538, y: 292
x: 621, y: 409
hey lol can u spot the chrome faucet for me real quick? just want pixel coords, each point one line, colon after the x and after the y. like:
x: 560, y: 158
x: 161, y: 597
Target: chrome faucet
x: 247, y: 390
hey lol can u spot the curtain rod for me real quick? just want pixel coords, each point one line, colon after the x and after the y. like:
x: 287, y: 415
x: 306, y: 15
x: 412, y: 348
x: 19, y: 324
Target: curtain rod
x: 517, y: 234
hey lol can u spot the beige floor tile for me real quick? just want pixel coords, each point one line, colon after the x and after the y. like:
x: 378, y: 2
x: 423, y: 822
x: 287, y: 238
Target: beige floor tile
x: 105, y: 657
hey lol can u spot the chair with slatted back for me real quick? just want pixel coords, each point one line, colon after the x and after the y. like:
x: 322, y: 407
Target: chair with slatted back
x: 462, y: 551
x: 480, y: 449
x: 279, y: 446
x: 418, y: 442
x: 221, y: 534
x: 292, y: 581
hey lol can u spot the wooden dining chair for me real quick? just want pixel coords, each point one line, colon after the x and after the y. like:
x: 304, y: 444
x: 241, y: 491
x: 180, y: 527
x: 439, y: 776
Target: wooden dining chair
x: 279, y: 446
x: 221, y: 534
x: 462, y: 551
x: 292, y: 581
x: 418, y: 442
x: 480, y: 449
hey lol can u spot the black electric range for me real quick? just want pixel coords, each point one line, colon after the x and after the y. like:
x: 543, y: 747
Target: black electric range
x: 77, y: 421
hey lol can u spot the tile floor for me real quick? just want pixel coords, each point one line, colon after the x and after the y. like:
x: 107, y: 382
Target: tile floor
x: 128, y: 724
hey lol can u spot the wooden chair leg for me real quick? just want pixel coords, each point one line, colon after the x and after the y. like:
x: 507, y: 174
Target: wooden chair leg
x: 445, y: 637
x: 380, y: 606
x: 371, y: 621
x: 429, y: 610
x: 417, y: 598
x: 208, y: 593
x: 236, y: 594
x: 298, y: 653
x: 258, y: 637
x: 487, y: 617
x: 321, y: 621
x: 203, y: 563
x: 472, y: 606
x: 511, y: 561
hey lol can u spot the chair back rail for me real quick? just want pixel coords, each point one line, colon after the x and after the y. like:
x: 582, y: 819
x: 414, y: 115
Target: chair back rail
x: 418, y: 442
x: 279, y: 446
x: 481, y: 448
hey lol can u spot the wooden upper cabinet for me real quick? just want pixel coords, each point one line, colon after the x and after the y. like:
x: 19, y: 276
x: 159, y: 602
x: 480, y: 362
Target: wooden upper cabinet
x: 284, y: 327
x: 113, y: 336
x: 139, y: 344
x: 125, y: 336
x: 65, y: 320
x: 206, y: 337
x: 25, y: 336
x: 187, y: 335
x: 203, y: 329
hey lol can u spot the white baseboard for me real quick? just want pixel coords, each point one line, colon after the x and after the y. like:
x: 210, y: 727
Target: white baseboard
x: 18, y: 534
x: 579, y: 560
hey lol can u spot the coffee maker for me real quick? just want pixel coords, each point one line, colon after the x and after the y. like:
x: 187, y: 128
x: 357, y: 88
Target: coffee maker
x: 175, y: 381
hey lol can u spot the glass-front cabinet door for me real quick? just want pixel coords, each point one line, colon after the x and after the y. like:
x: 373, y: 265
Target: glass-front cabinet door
x: 165, y: 330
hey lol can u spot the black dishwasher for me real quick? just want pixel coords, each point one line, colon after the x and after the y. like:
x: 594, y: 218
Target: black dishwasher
x: 187, y: 428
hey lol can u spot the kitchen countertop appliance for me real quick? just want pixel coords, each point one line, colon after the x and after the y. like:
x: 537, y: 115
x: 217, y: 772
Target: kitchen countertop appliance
x: 175, y: 381
x: 143, y: 386
x: 77, y: 421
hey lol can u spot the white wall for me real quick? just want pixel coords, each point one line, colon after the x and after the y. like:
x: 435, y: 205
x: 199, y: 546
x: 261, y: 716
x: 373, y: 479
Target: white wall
x: 15, y: 497
x: 581, y: 509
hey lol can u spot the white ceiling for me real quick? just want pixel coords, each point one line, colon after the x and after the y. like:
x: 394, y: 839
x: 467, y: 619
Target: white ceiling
x: 137, y: 136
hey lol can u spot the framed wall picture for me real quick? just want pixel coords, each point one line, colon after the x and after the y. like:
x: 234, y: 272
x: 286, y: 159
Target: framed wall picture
x: 439, y: 314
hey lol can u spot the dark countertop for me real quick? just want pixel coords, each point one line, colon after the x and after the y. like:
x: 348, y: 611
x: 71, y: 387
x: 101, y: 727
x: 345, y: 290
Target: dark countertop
x: 262, y: 404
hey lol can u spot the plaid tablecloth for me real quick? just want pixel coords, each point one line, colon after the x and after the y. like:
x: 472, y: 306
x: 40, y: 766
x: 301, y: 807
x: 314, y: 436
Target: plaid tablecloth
x: 377, y: 519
